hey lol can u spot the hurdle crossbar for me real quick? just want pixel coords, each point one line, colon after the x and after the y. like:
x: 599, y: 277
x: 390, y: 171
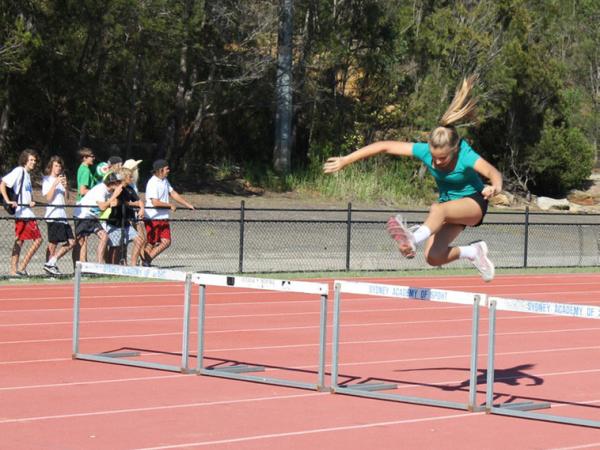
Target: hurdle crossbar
x: 135, y: 272
x: 405, y: 293
x: 239, y: 371
x: 534, y: 307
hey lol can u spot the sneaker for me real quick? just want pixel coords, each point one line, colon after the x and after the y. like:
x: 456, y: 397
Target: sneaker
x: 398, y: 230
x: 51, y: 269
x: 482, y: 262
x: 146, y: 262
x: 22, y: 273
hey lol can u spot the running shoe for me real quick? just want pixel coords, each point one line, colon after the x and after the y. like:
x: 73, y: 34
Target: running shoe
x: 51, y: 269
x: 22, y: 273
x: 399, y: 231
x: 482, y: 262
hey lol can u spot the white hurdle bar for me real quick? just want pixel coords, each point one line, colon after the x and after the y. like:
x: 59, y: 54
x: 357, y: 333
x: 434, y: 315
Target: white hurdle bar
x: 237, y: 371
x: 405, y: 292
x: 523, y: 409
x: 136, y: 272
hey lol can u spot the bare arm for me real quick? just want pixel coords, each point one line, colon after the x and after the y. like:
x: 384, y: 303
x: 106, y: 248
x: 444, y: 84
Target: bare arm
x: 488, y: 171
x: 5, y: 194
x: 179, y: 199
x: 395, y: 148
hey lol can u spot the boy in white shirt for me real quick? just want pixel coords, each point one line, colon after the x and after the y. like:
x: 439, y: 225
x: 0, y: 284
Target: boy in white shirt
x: 56, y: 191
x: 158, y: 230
x: 26, y: 228
x: 88, y: 209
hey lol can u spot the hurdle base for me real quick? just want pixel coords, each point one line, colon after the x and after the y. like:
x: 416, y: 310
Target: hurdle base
x: 545, y: 417
x: 119, y: 354
x: 238, y: 368
x: 370, y: 386
x: 523, y: 406
x: 128, y: 362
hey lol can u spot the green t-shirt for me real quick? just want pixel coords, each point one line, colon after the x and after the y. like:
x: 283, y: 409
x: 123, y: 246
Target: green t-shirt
x: 85, y: 177
x: 460, y: 182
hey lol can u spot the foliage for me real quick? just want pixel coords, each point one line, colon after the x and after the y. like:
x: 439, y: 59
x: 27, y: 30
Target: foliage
x: 194, y: 81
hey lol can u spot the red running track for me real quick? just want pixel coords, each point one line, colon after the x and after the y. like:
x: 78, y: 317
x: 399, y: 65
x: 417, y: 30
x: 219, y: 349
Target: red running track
x: 50, y: 401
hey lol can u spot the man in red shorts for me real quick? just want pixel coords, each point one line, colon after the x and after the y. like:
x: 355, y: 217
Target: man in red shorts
x: 158, y: 192
x: 26, y: 228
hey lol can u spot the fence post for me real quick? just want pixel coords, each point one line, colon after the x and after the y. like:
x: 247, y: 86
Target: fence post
x: 241, y: 252
x: 526, y: 243
x: 123, y: 242
x: 348, y: 235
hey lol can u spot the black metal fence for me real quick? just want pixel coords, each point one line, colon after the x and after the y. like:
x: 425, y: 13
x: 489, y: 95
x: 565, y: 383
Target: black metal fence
x: 252, y: 240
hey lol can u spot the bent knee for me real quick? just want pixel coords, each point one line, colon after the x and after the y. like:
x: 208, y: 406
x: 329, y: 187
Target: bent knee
x: 435, y: 259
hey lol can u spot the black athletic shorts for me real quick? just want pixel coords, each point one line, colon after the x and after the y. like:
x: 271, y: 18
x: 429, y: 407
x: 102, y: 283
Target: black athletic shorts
x: 483, y: 204
x: 85, y: 227
x: 59, y: 232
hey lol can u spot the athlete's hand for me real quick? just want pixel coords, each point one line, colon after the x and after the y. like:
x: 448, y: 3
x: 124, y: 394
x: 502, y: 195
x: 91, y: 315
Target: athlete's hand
x: 334, y: 164
x: 490, y: 191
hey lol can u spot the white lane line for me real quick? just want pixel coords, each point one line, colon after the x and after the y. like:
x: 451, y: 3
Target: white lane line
x: 159, y: 408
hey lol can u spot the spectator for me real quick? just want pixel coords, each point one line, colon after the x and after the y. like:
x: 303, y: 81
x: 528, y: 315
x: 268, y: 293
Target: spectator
x: 98, y: 199
x: 119, y: 225
x: 26, y: 228
x: 86, y: 180
x: 133, y: 165
x: 158, y: 231
x: 55, y: 189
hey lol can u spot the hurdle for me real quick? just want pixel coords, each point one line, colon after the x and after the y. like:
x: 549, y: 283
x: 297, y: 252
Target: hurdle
x: 136, y: 272
x: 238, y: 371
x: 523, y: 409
x: 405, y: 292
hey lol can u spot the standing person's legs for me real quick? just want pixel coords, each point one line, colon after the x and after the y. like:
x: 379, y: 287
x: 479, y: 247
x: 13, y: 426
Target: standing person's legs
x: 102, y: 244
x: 159, y: 239
x: 25, y: 230
x: 14, y: 257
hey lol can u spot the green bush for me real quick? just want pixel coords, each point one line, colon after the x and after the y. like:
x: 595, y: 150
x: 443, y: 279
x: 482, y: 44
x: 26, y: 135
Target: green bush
x: 562, y: 160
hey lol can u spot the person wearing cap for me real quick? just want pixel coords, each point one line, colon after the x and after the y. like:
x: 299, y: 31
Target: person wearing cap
x: 158, y: 192
x: 98, y: 199
x: 119, y: 224
x: 114, y: 164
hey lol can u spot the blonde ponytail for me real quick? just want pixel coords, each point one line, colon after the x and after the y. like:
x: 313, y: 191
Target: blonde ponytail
x: 462, y: 108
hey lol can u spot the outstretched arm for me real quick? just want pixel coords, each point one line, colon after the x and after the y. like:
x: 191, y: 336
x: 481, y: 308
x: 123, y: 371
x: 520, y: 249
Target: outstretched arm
x: 491, y: 173
x: 396, y: 148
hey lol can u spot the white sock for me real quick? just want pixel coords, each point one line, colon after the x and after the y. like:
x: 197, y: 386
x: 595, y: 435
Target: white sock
x: 52, y: 261
x: 468, y: 252
x: 421, y: 234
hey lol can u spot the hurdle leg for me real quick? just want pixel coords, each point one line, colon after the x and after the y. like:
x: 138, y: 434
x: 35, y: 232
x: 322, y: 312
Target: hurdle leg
x: 76, y: 306
x: 335, y: 339
x: 489, y: 391
x: 322, y: 343
x: 201, y: 318
x: 185, y: 339
x: 472, y: 406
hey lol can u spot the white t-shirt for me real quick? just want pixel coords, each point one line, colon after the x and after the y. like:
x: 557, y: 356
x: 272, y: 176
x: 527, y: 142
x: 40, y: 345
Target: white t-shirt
x: 160, y: 190
x: 87, y: 207
x: 24, y: 196
x: 54, y: 212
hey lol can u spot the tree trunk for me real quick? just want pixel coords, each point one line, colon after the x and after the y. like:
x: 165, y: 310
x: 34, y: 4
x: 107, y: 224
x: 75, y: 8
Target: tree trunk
x: 284, y: 105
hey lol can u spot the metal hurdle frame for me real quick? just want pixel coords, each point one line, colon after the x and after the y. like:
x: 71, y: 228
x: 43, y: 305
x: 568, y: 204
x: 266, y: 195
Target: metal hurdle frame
x: 237, y: 371
x: 523, y: 409
x: 405, y: 292
x: 137, y: 272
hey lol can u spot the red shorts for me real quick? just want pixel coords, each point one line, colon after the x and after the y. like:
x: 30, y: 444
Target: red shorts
x: 27, y: 230
x: 157, y: 230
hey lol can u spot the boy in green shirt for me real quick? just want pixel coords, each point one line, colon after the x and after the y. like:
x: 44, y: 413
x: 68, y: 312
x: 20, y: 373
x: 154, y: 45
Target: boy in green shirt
x: 86, y: 180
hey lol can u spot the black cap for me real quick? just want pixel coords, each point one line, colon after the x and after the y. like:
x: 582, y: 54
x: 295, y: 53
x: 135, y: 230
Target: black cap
x: 115, y: 160
x: 159, y: 164
x: 112, y: 177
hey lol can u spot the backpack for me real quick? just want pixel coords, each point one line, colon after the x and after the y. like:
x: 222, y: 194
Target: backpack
x: 12, y: 196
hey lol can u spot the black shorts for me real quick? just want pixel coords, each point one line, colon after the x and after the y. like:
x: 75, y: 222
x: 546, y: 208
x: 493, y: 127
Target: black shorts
x: 483, y: 204
x: 59, y: 232
x: 85, y: 227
